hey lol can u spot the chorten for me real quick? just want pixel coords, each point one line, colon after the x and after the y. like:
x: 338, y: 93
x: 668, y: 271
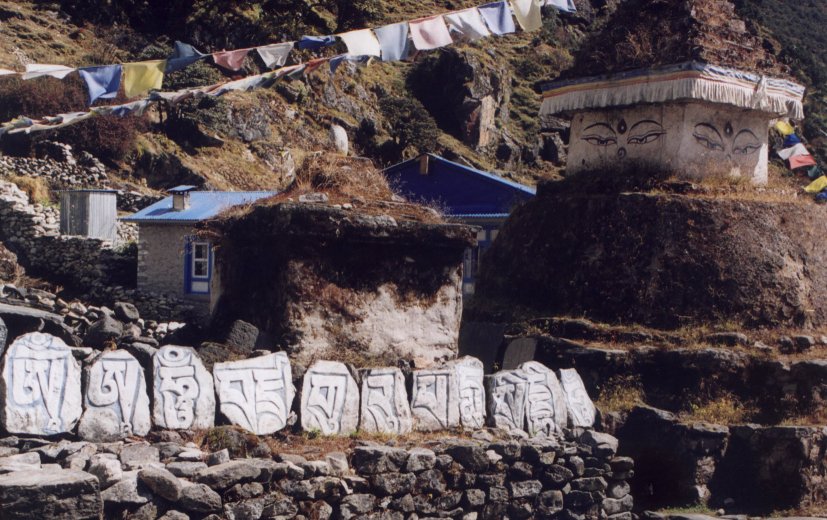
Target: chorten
x: 681, y: 85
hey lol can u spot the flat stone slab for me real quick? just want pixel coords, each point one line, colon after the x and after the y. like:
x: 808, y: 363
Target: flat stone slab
x: 546, y: 411
x: 385, y: 407
x: 117, y: 405
x: 506, y: 393
x: 470, y: 374
x: 183, y: 391
x: 256, y: 394
x: 435, y: 399
x: 40, y: 386
x: 581, y: 409
x: 60, y: 494
x: 330, y: 399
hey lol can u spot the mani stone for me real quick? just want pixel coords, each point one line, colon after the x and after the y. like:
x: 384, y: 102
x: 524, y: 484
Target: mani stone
x: 117, y: 405
x: 581, y: 409
x: 59, y: 494
x: 4, y: 335
x: 183, y: 392
x: 470, y: 373
x: 40, y: 386
x: 330, y: 399
x: 435, y: 399
x: 256, y: 394
x: 506, y: 393
x: 385, y: 406
x: 545, y: 400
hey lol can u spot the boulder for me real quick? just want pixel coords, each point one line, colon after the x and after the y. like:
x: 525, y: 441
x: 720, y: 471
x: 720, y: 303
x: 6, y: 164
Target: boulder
x: 224, y: 476
x: 339, y: 139
x: 162, y: 483
x: 330, y: 399
x: 62, y: 494
x: 117, y: 404
x: 51, y: 406
x: 105, y: 330
x: 126, y: 312
x: 199, y: 498
x: 126, y: 492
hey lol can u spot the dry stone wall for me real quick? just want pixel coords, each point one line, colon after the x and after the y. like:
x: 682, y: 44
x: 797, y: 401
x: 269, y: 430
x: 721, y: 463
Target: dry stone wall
x: 553, y: 471
x: 100, y: 270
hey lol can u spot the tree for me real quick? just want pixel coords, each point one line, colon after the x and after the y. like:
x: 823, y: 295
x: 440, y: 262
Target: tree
x: 409, y: 124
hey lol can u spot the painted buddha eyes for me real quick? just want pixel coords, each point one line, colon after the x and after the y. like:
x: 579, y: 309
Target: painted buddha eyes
x: 642, y: 132
x: 744, y: 143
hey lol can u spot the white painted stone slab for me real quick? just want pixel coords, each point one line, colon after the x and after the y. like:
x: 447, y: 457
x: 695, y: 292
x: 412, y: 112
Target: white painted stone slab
x: 470, y: 373
x: 183, y: 391
x: 581, y: 409
x: 256, y: 393
x: 506, y: 392
x: 40, y: 386
x: 330, y: 399
x: 545, y: 400
x: 116, y: 403
x: 435, y: 399
x: 385, y: 406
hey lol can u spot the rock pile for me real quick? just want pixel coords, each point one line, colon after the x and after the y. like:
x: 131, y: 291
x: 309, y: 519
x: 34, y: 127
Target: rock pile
x: 68, y: 173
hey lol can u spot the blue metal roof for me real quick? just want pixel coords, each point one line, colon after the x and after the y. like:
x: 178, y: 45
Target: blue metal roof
x: 203, y: 205
x: 461, y: 190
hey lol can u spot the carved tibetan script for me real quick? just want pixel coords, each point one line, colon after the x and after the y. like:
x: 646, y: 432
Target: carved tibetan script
x: 183, y: 389
x: 115, y: 382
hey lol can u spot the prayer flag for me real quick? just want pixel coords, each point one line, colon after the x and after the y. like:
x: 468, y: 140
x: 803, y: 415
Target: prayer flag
x: 798, y: 149
x: 183, y: 55
x: 314, y: 43
x: 34, y: 70
x: 498, y: 17
x: 527, y: 13
x: 430, y: 33
x: 102, y: 82
x: 791, y: 140
x: 784, y: 128
x: 275, y: 55
x: 232, y: 60
x: 341, y: 58
x: 394, y: 42
x: 817, y: 185
x: 6, y: 72
x: 467, y: 24
x: 361, y: 43
x: 798, y: 161
x: 566, y: 6
x: 142, y: 76
x: 134, y: 107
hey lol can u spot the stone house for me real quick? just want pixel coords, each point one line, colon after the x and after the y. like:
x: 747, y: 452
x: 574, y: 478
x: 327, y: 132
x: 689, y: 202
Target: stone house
x: 465, y: 195
x: 171, y: 258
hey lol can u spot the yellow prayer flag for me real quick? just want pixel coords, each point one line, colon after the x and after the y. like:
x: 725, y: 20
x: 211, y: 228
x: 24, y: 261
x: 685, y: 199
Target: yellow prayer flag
x: 817, y: 185
x: 143, y: 76
x: 784, y: 128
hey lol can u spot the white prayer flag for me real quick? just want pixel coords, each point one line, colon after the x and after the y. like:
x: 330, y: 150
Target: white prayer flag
x: 275, y: 55
x: 467, y: 24
x: 527, y: 13
x: 361, y: 43
x: 793, y: 151
x: 430, y: 33
x: 35, y: 70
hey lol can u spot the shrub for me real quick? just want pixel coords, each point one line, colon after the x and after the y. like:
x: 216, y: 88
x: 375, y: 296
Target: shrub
x: 35, y: 187
x: 109, y: 137
x: 409, y: 124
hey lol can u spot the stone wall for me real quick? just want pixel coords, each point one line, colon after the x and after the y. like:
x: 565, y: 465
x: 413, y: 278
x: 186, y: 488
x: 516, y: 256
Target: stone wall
x: 98, y: 270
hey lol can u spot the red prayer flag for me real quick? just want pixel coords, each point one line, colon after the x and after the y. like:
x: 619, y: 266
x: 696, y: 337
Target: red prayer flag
x: 232, y: 60
x: 800, y: 161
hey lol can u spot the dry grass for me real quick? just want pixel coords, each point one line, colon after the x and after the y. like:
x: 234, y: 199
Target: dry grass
x: 620, y: 394
x: 37, y: 188
x: 726, y: 409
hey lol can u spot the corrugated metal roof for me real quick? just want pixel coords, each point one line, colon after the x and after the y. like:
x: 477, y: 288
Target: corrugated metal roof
x: 203, y: 205
x: 460, y: 190
x: 480, y: 215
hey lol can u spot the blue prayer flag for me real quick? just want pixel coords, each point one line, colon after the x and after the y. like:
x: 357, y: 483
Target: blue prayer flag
x: 394, y: 41
x: 314, y: 43
x: 497, y: 16
x: 102, y: 82
x: 183, y: 55
x: 791, y: 140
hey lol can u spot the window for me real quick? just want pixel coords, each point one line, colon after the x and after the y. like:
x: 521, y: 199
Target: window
x: 201, y: 260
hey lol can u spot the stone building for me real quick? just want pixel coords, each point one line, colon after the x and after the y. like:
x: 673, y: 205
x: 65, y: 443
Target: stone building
x: 171, y: 259
x: 679, y: 85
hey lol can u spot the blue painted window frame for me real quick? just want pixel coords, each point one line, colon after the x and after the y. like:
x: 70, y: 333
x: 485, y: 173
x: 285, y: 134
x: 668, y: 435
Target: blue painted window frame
x: 188, y: 258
